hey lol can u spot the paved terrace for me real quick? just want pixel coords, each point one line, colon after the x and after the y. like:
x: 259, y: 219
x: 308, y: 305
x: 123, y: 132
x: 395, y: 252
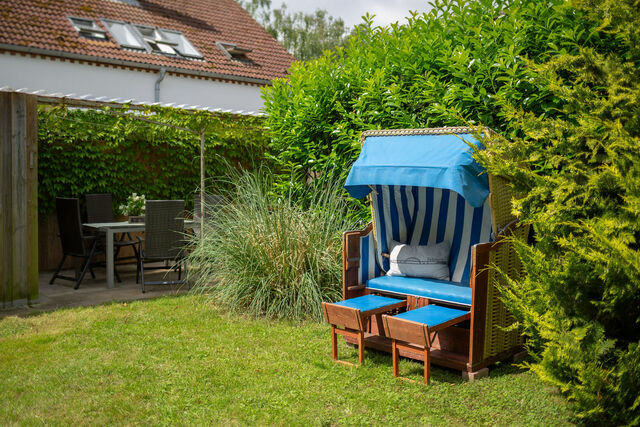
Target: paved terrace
x: 94, y: 291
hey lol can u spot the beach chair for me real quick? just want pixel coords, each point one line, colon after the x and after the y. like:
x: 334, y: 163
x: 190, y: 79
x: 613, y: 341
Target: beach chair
x: 425, y: 188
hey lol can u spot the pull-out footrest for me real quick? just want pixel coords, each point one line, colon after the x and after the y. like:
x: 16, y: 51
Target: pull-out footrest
x: 417, y: 328
x: 353, y: 315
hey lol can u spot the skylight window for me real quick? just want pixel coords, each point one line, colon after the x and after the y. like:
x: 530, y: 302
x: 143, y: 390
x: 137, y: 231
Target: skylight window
x: 181, y: 43
x: 88, y: 29
x: 233, y: 51
x: 129, y: 2
x: 157, y: 41
x: 124, y: 34
x: 151, y: 39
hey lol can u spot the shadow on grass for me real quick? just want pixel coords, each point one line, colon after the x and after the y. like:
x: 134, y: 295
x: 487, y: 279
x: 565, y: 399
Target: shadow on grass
x: 414, y: 369
x: 34, y: 311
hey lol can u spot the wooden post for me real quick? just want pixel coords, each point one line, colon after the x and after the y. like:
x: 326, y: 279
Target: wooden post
x: 18, y: 199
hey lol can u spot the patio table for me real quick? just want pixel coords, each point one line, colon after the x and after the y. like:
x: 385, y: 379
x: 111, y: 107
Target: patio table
x: 111, y: 228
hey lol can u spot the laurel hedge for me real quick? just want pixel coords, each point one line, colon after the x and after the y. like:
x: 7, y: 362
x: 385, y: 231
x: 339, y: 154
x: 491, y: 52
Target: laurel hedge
x: 457, y: 63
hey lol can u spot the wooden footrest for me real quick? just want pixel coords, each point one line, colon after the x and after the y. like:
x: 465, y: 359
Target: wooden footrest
x: 353, y: 315
x: 418, y: 328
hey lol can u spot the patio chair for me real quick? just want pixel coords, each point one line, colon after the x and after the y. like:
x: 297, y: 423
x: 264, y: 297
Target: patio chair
x: 212, y: 203
x: 426, y: 189
x: 74, y: 243
x: 100, y: 209
x: 164, y: 239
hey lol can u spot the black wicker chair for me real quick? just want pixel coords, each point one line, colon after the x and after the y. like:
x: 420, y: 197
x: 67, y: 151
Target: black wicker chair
x: 74, y: 243
x: 163, y: 238
x: 100, y: 209
x: 212, y: 203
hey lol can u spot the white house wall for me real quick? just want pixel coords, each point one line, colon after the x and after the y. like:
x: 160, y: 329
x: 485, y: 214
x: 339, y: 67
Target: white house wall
x: 17, y: 71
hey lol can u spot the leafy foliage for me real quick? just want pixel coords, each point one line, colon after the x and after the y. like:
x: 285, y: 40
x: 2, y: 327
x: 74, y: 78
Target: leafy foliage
x: 93, y: 151
x: 305, y: 35
x: 268, y: 255
x: 559, y: 82
x: 458, y: 63
x: 578, y: 171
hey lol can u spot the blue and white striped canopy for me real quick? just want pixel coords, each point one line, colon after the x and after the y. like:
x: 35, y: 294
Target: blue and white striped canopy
x: 426, y: 216
x: 436, y: 161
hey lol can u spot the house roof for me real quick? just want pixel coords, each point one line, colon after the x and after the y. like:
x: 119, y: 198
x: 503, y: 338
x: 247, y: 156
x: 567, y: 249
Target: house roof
x: 43, y: 27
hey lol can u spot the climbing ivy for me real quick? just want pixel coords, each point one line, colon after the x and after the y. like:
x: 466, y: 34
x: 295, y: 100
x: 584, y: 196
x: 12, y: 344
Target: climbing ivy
x: 155, y: 151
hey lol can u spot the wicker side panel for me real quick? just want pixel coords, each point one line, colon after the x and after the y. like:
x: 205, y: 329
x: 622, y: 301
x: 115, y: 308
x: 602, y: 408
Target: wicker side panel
x: 505, y: 258
x: 500, y: 198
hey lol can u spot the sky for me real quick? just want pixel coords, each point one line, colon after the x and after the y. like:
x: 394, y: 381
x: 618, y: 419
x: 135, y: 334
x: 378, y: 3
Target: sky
x: 386, y: 11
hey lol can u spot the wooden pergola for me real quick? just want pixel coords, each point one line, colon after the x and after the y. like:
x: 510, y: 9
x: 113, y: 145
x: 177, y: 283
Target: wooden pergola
x: 19, y: 178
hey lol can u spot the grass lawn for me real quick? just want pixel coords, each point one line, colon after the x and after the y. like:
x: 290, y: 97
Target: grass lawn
x: 178, y: 360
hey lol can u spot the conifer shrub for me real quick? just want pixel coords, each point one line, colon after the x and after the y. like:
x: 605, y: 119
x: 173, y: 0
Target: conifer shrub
x: 578, y: 173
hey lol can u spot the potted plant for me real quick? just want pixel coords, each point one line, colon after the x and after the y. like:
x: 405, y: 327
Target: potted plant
x: 134, y: 208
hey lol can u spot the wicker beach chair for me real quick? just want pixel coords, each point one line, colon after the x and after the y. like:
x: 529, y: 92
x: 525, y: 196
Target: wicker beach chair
x: 164, y: 239
x: 425, y: 188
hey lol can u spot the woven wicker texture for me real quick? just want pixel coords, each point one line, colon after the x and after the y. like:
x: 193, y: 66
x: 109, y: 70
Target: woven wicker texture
x: 500, y: 200
x: 212, y: 203
x: 164, y: 229
x: 425, y: 131
x: 99, y: 207
x: 503, y: 261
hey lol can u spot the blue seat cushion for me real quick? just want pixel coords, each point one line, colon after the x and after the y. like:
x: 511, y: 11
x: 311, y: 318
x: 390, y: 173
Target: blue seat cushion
x: 439, y: 290
x: 368, y: 302
x: 431, y: 315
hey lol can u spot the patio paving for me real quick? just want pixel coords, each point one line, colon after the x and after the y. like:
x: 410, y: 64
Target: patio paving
x: 94, y: 291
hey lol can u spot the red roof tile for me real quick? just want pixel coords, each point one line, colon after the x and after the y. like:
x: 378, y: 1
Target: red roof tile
x: 43, y: 25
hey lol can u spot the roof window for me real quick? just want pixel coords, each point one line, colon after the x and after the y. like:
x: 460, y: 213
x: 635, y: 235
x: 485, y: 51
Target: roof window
x: 129, y: 2
x: 151, y: 39
x: 181, y: 43
x: 157, y: 41
x: 124, y: 34
x: 88, y: 29
x: 233, y: 51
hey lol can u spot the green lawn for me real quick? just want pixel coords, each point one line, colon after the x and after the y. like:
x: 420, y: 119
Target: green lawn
x: 178, y: 360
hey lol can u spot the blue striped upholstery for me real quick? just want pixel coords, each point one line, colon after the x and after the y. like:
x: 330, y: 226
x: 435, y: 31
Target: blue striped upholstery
x: 368, y: 268
x: 421, y: 215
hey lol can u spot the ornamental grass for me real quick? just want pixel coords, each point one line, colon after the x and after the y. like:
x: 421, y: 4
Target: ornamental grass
x: 270, y: 255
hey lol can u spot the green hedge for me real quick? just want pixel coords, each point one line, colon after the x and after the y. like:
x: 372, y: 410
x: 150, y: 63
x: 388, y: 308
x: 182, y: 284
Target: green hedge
x: 459, y: 63
x: 559, y: 81
x: 93, y: 151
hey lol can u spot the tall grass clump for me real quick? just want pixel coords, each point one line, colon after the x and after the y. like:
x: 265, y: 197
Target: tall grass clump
x: 271, y: 255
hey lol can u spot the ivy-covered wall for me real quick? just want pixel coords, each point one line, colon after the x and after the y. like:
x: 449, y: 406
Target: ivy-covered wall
x: 91, y: 151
